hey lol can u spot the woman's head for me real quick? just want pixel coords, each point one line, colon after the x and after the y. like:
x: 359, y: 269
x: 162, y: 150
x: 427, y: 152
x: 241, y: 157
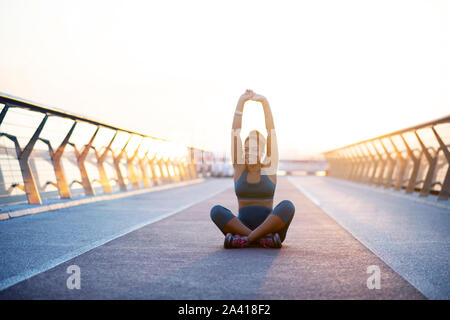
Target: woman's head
x: 254, y: 148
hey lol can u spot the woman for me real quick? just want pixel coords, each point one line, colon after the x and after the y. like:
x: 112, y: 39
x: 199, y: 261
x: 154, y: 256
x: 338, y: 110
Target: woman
x: 254, y: 181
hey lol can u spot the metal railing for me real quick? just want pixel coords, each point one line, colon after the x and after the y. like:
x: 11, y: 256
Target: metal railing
x: 77, y: 155
x: 415, y: 159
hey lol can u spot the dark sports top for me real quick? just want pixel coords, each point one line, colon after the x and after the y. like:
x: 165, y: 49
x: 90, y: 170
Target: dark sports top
x: 264, y: 189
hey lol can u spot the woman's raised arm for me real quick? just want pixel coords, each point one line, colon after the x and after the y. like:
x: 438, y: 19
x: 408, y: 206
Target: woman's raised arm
x: 237, y: 155
x: 271, y: 158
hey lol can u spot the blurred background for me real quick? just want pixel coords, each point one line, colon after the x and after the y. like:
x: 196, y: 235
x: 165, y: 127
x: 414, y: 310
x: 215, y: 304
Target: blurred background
x: 334, y: 72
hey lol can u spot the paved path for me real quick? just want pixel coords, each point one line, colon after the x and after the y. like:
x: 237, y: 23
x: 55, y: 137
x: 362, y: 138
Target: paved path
x: 181, y: 257
x: 411, y: 237
x: 32, y: 244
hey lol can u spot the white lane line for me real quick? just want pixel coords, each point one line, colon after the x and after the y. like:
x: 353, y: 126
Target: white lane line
x: 8, y: 282
x: 304, y: 191
x: 430, y: 200
x: 366, y: 243
x: 73, y: 203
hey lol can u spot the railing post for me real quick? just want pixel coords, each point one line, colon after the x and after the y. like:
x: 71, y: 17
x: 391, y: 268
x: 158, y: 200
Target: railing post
x: 3, y: 113
x: 192, y: 165
x: 362, y: 165
x: 444, y: 193
x: 145, y: 176
x: 415, y: 170
x: 81, y: 157
x: 2, y: 116
x: 391, y: 165
x: 176, y: 165
x: 384, y: 162
x: 346, y: 164
x: 162, y: 177
x: 181, y: 165
x: 131, y: 169
x: 117, y: 158
x: 184, y: 169
x: 337, y: 163
x: 369, y: 163
x: 161, y: 165
x: 155, y: 178
x: 402, y: 167
x: 348, y: 160
x: 342, y: 164
x: 61, y: 182
x: 187, y: 168
x: 104, y: 180
x: 424, y: 192
x: 23, y: 156
x: 377, y: 162
x: 167, y: 164
x: 354, y: 164
x: 28, y: 179
x: 203, y: 164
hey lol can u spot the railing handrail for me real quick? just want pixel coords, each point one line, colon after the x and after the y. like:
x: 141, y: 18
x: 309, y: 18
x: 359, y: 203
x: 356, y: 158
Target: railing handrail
x: 174, y: 168
x: 444, y: 119
x: 12, y: 101
x: 355, y: 163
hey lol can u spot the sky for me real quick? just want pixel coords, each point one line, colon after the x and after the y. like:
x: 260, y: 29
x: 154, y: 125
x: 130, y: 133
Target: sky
x: 334, y: 72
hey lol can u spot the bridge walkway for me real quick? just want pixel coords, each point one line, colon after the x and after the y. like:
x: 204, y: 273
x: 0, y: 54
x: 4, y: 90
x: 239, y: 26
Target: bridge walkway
x: 162, y: 245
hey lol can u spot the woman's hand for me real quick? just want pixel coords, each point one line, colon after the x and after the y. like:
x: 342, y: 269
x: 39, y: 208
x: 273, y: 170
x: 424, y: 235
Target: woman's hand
x: 258, y: 97
x: 247, y: 95
x: 250, y: 95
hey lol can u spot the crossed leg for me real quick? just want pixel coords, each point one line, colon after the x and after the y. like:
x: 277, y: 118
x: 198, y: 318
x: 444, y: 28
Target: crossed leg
x: 278, y: 220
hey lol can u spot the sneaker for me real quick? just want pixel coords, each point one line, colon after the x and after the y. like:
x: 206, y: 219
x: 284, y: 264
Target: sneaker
x: 270, y: 241
x: 227, y: 241
x: 235, y: 241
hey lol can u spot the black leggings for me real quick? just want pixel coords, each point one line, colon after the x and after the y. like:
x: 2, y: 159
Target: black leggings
x: 253, y: 216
